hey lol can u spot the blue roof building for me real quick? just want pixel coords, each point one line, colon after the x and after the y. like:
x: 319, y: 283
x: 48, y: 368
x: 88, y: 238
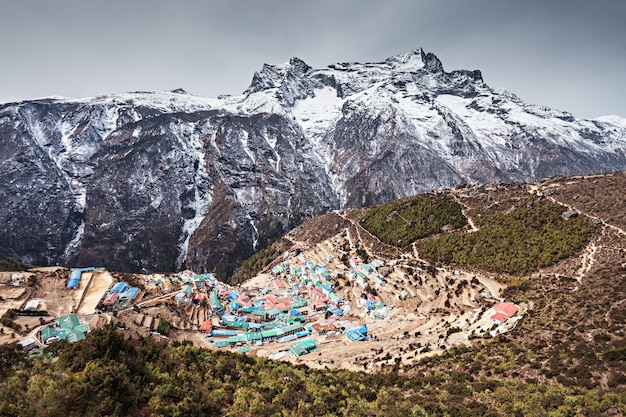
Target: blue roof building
x: 357, y: 334
x: 74, y: 280
x: 129, y: 294
x: 119, y: 287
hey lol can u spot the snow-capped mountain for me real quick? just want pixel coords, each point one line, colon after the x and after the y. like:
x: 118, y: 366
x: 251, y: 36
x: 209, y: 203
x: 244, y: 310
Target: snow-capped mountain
x: 158, y: 180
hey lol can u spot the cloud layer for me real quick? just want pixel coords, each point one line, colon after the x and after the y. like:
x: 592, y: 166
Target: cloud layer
x: 568, y: 55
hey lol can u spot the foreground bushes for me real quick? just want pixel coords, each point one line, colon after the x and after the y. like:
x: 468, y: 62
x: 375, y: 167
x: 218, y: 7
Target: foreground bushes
x: 109, y: 375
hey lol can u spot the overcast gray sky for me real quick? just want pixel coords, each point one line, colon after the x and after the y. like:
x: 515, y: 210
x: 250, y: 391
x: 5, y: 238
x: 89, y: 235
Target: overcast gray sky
x: 565, y: 54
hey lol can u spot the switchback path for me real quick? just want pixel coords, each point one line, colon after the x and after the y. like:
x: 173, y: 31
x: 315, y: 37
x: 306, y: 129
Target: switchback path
x: 589, y: 255
x: 535, y: 190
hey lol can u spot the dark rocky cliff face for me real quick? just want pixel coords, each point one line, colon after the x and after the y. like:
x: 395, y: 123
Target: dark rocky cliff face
x: 162, y: 181
x: 202, y: 189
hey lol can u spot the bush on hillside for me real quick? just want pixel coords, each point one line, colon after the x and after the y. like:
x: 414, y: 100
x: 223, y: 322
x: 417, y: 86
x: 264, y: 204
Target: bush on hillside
x: 11, y: 264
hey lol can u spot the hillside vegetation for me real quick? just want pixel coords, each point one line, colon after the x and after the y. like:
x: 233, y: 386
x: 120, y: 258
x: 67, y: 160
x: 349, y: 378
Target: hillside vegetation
x: 11, y: 264
x: 109, y: 375
x: 513, y: 238
x: 401, y: 222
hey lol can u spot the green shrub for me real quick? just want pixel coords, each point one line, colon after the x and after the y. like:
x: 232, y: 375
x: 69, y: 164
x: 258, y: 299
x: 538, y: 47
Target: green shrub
x: 618, y: 354
x: 164, y: 327
x: 7, y: 320
x: 10, y: 264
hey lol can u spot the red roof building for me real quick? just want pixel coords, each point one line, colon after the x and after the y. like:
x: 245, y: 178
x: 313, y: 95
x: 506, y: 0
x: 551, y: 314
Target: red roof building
x: 323, y: 328
x: 508, y: 309
x: 111, y: 299
x: 504, y: 311
x: 206, y: 326
x: 317, y: 292
x: 499, y: 318
x: 283, y: 305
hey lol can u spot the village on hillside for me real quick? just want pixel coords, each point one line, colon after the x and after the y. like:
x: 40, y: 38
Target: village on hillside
x: 352, y: 312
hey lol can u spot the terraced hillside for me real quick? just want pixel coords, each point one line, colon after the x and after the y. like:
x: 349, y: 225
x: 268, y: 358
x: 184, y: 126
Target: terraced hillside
x: 563, y: 354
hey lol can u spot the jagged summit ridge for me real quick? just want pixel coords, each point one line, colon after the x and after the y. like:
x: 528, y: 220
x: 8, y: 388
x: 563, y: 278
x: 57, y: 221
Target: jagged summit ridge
x: 414, y: 61
x: 295, y: 80
x: 410, y: 61
x: 158, y: 180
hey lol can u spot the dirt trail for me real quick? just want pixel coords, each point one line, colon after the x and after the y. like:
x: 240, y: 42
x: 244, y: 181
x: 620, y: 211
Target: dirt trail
x: 464, y: 209
x: 359, y: 229
x: 349, y: 238
x: 493, y: 286
x: 617, y: 229
x: 535, y: 190
x: 155, y: 300
x: 588, y: 259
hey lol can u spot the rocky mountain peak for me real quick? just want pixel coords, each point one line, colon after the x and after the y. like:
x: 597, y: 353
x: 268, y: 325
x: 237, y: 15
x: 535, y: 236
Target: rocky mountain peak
x: 411, y: 61
x: 274, y: 76
x: 296, y: 66
x: 415, y: 61
x: 432, y: 63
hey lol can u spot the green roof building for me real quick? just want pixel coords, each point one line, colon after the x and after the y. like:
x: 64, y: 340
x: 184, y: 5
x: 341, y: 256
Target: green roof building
x: 302, y: 347
x: 235, y: 324
x: 69, y: 322
x: 268, y: 335
x: 244, y: 349
x: 298, y: 303
x: 237, y: 340
x: 253, y: 337
x: 69, y: 328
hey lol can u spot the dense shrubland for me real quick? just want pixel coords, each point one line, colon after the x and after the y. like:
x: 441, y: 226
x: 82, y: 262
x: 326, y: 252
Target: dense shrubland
x: 513, y: 239
x: 253, y: 265
x: 109, y: 375
x: 401, y: 222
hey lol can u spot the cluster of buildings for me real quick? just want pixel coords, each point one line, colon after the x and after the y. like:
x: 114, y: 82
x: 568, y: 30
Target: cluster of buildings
x: 300, y: 306
x: 300, y: 303
x: 195, y: 287
x: 119, y: 296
